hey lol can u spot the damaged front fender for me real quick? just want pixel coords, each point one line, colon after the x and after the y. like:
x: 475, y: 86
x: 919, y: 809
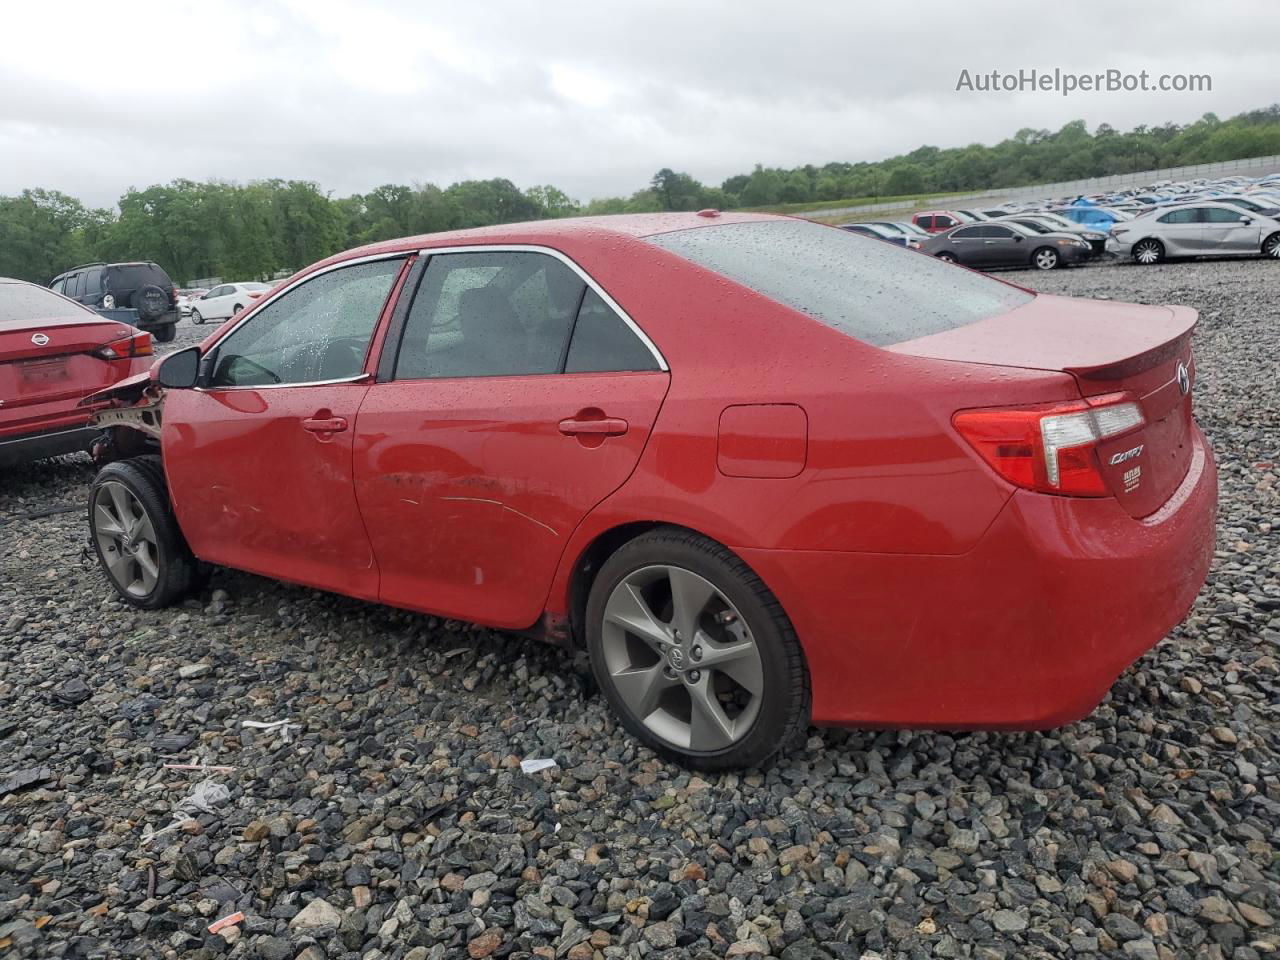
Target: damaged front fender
x: 132, y: 420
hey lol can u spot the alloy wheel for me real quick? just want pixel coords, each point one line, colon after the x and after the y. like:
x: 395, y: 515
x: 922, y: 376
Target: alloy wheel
x: 1046, y: 259
x: 681, y: 658
x: 126, y: 539
x: 1272, y: 246
x: 1147, y: 252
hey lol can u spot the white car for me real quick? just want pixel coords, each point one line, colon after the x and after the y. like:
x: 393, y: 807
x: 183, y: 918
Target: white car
x: 226, y: 300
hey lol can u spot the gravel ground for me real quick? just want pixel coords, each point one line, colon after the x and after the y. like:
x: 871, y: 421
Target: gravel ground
x: 391, y: 817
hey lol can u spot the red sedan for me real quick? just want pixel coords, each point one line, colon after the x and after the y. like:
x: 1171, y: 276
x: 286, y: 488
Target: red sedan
x: 53, y: 353
x: 767, y: 472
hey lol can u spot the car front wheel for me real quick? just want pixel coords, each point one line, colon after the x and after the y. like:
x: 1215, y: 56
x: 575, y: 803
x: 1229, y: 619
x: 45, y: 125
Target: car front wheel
x: 1046, y: 258
x: 695, y: 654
x: 1148, y: 252
x: 136, y: 536
x: 195, y: 317
x: 1271, y: 246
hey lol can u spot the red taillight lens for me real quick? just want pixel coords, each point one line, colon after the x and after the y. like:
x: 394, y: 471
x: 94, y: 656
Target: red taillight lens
x: 127, y: 347
x: 1050, y: 447
x: 173, y: 296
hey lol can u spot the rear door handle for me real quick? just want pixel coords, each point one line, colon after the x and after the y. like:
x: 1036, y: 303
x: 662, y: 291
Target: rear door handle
x: 320, y: 424
x: 608, y: 427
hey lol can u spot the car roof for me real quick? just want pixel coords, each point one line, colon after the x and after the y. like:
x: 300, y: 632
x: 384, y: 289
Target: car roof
x: 542, y: 232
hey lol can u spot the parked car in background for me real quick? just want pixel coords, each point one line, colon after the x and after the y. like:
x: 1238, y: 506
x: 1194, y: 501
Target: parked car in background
x: 1002, y: 244
x: 1050, y: 223
x: 54, y: 352
x: 1252, y: 205
x: 878, y: 232
x: 935, y: 221
x: 225, y: 301
x: 186, y: 296
x: 1196, y: 230
x: 141, y: 286
x: 909, y: 230
x: 974, y: 216
x: 1095, y: 218
x: 638, y: 434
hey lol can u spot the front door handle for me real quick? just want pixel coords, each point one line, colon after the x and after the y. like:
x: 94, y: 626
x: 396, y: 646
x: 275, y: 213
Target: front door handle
x: 324, y: 422
x: 606, y: 427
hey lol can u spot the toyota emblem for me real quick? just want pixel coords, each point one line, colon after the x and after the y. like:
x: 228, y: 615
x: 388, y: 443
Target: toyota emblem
x: 1184, y: 378
x: 39, y: 339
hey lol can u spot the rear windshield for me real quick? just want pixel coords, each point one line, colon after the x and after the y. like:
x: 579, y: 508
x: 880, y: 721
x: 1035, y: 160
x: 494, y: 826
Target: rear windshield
x: 25, y: 301
x: 878, y: 292
x: 131, y: 276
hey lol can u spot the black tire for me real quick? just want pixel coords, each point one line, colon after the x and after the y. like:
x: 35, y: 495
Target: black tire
x: 1148, y: 252
x: 782, y: 716
x: 178, y: 572
x: 1271, y: 246
x: 195, y: 316
x: 165, y: 332
x: 235, y: 310
x: 150, y: 301
x: 1045, y: 258
x: 947, y: 258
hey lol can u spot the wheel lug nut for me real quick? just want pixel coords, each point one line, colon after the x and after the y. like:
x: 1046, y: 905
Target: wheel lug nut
x: 695, y: 676
x: 697, y: 653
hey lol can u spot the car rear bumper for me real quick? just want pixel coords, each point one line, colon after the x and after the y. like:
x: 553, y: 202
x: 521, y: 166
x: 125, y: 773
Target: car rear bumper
x: 1028, y: 630
x: 47, y: 443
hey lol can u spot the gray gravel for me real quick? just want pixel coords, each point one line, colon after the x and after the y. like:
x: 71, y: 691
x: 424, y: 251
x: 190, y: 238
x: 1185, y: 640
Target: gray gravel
x: 391, y: 819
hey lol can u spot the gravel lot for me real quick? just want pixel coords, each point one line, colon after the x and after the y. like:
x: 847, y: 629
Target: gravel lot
x: 391, y: 818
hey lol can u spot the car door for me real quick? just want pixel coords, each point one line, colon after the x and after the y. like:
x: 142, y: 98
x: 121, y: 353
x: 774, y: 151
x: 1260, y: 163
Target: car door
x: 1002, y: 247
x: 513, y: 398
x: 966, y: 246
x: 1229, y: 231
x: 1179, y: 231
x: 259, y: 457
x: 216, y: 304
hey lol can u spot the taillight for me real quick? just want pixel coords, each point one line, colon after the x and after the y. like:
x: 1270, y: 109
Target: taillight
x: 1050, y: 447
x: 173, y: 296
x: 126, y: 347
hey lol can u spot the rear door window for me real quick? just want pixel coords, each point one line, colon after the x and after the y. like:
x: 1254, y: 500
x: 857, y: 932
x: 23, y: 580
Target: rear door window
x: 1216, y: 215
x: 93, y: 283
x: 879, y: 293
x: 490, y: 314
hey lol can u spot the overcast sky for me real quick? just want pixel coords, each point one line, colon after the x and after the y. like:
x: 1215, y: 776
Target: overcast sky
x: 590, y: 96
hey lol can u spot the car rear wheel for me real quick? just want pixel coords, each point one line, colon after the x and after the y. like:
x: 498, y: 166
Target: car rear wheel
x: 947, y: 258
x: 1046, y: 258
x: 136, y: 536
x: 195, y: 317
x: 1271, y: 246
x: 1148, y: 252
x: 695, y: 654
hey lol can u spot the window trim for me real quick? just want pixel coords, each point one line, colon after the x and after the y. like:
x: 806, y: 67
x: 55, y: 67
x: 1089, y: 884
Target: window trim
x: 260, y: 304
x: 425, y: 255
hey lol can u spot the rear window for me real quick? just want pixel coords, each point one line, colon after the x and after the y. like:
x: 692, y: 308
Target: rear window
x: 878, y: 292
x: 131, y: 276
x: 25, y: 301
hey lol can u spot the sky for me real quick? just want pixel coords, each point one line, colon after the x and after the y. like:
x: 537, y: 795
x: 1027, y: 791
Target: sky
x: 592, y: 97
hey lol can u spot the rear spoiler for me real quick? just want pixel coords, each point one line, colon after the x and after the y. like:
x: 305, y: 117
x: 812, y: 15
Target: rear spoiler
x: 1185, y: 317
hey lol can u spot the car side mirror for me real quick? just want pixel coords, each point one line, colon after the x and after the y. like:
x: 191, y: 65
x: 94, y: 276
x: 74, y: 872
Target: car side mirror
x: 1246, y: 220
x: 1018, y: 238
x: 181, y: 370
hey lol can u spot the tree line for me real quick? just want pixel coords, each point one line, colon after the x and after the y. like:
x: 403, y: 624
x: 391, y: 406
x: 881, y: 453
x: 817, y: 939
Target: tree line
x: 246, y: 231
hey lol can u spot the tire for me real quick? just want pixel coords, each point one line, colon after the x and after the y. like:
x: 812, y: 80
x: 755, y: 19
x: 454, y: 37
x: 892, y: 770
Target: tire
x: 1045, y: 258
x: 947, y: 258
x: 144, y: 556
x: 707, y: 718
x: 165, y: 332
x: 195, y: 317
x: 1271, y: 246
x: 150, y: 301
x: 1148, y: 252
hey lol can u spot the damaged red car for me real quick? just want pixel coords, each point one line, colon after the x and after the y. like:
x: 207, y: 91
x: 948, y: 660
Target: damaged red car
x: 767, y: 473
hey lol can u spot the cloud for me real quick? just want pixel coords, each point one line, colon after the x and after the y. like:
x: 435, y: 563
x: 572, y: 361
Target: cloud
x: 592, y: 97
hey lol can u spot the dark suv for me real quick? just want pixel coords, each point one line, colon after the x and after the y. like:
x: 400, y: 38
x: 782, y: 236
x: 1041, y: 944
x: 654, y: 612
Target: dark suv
x: 142, y: 286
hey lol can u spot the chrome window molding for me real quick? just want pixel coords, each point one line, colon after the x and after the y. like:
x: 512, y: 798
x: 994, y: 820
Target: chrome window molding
x: 430, y: 252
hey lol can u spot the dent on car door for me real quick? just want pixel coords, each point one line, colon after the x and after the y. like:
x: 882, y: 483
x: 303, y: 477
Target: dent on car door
x: 259, y: 457
x: 1225, y: 231
x: 511, y: 401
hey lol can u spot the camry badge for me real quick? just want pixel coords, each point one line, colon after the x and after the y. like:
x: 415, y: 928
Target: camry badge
x: 39, y: 339
x: 1184, y: 378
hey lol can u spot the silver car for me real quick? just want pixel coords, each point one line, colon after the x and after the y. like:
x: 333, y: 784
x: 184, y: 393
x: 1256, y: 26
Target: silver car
x: 1202, y: 229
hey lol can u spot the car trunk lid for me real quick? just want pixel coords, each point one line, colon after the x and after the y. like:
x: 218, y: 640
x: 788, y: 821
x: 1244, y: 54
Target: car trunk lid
x: 1108, y: 348
x: 50, y: 361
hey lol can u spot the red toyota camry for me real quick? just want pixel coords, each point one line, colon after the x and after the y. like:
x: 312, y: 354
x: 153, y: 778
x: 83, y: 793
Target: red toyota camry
x: 767, y: 472
x: 53, y: 353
